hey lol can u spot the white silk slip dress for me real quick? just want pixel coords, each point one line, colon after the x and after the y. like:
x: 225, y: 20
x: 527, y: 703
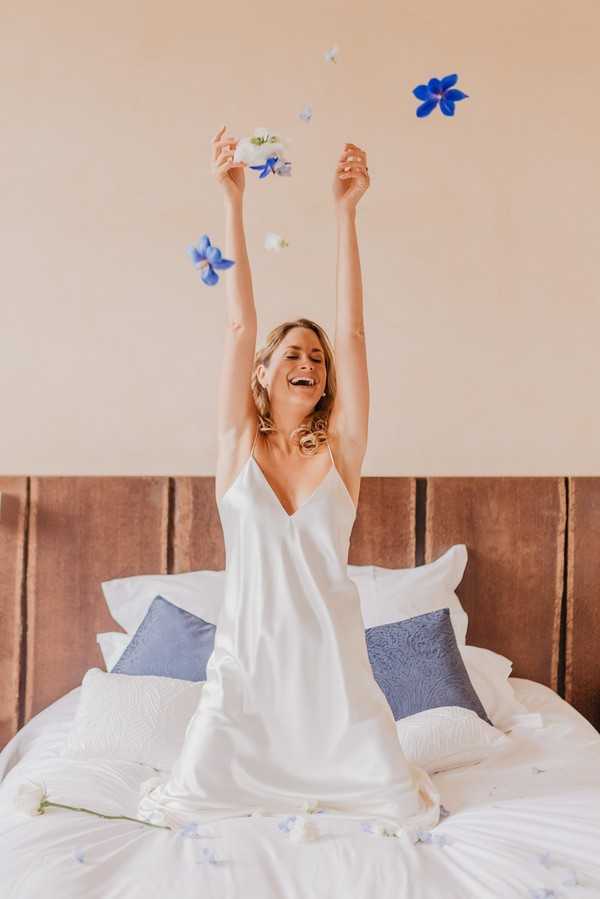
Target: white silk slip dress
x: 290, y: 711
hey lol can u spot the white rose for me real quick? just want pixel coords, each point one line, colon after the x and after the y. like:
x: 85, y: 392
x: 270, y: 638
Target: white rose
x: 257, y: 154
x: 29, y: 798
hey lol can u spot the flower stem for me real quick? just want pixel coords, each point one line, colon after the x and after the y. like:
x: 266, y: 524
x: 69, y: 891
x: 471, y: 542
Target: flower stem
x: 100, y: 815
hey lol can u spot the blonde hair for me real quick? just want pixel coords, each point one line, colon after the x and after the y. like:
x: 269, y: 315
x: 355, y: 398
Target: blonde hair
x: 313, y: 431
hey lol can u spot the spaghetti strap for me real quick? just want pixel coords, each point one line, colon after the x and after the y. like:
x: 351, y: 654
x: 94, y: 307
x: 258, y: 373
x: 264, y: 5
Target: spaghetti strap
x: 330, y: 453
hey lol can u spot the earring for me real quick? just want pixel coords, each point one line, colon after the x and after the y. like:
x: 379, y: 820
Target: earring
x: 322, y: 394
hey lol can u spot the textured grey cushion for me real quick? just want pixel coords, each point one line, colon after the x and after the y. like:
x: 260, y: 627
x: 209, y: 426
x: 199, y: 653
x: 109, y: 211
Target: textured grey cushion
x: 418, y: 665
x: 170, y: 642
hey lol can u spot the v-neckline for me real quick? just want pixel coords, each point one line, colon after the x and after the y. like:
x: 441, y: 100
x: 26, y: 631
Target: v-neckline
x: 306, y: 501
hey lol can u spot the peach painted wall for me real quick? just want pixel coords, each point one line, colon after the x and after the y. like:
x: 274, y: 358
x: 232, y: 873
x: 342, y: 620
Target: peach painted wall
x: 479, y: 235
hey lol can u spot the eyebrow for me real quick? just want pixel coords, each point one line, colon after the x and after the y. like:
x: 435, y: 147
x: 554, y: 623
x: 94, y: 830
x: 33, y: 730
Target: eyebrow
x: 293, y: 346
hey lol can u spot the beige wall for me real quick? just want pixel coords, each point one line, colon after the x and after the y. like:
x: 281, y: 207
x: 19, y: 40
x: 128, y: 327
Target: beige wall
x: 479, y: 235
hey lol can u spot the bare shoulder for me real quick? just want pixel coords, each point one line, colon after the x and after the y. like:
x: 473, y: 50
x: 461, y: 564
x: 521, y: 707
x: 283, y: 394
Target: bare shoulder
x: 233, y: 451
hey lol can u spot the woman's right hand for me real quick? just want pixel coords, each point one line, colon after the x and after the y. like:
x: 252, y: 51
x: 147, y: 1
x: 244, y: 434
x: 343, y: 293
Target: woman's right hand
x: 228, y: 174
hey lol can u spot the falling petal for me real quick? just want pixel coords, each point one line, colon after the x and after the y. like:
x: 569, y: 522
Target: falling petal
x: 196, y: 258
x: 447, y: 106
x: 209, y: 276
x: 448, y: 81
x: 331, y: 54
x: 425, y: 108
x: 203, y: 245
x: 306, y: 114
x: 421, y: 92
x: 223, y: 264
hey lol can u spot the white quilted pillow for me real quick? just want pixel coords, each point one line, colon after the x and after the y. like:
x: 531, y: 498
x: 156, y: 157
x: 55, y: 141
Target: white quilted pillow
x: 447, y: 737
x: 132, y: 718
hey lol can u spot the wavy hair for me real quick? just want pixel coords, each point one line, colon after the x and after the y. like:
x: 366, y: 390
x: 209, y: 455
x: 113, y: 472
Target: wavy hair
x: 313, y: 430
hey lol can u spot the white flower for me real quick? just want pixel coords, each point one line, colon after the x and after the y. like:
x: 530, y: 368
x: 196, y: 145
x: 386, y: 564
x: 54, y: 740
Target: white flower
x: 306, y: 114
x: 303, y: 830
x: 29, y: 798
x: 257, y: 149
x: 331, y: 54
x: 275, y: 242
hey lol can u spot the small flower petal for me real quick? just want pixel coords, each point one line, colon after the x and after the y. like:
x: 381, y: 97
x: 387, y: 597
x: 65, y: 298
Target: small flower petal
x: 421, y: 92
x: 447, y: 106
x: 425, y: 108
x: 448, y: 81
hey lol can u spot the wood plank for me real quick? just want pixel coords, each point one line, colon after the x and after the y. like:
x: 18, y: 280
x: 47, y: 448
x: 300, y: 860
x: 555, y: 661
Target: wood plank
x: 84, y: 530
x: 13, y: 522
x: 514, y: 530
x: 582, y: 664
x: 384, y: 530
x: 197, y: 541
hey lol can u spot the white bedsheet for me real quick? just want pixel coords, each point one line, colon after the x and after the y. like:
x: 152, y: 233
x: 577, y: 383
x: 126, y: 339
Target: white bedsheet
x: 524, y: 821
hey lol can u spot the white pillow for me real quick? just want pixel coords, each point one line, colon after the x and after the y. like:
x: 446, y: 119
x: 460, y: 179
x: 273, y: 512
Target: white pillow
x: 136, y: 719
x: 489, y: 672
x: 129, y: 598
x: 112, y: 646
x: 394, y: 594
x: 447, y: 737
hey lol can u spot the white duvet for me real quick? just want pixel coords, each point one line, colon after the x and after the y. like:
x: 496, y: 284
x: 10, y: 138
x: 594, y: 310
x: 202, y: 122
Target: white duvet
x: 525, y: 822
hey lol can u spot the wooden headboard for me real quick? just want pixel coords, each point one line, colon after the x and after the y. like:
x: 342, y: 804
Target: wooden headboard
x: 531, y: 587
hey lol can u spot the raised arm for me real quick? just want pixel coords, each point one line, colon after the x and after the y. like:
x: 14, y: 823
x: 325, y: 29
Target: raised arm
x: 349, y: 417
x: 236, y: 410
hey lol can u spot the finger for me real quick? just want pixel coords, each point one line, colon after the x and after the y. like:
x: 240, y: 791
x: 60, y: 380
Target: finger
x: 223, y: 154
x: 353, y: 168
x: 219, y: 145
x: 353, y: 156
x: 352, y: 147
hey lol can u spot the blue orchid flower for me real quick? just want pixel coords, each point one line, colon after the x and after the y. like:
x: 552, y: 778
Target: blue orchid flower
x: 273, y: 164
x: 208, y: 258
x: 436, y: 91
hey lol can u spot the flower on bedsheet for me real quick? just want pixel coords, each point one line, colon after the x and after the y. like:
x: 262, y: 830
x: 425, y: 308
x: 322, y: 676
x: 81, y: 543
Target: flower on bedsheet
x: 543, y: 893
x: 32, y: 799
x: 79, y: 855
x: 444, y: 813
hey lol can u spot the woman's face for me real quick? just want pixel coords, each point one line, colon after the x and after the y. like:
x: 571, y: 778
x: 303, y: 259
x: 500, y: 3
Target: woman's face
x: 298, y: 356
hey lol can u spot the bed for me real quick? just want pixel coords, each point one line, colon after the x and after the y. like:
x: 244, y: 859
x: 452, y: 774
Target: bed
x: 525, y: 821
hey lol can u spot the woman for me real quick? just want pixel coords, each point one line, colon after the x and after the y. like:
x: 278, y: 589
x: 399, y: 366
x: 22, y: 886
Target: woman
x: 291, y: 717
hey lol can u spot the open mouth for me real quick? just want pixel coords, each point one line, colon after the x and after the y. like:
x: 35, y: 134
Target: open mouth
x: 303, y: 383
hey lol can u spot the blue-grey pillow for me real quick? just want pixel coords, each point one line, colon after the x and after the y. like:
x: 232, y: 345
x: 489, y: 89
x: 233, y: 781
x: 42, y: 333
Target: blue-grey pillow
x: 170, y: 642
x: 418, y: 665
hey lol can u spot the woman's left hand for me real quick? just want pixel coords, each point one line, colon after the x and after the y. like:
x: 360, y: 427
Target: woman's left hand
x: 351, y: 177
